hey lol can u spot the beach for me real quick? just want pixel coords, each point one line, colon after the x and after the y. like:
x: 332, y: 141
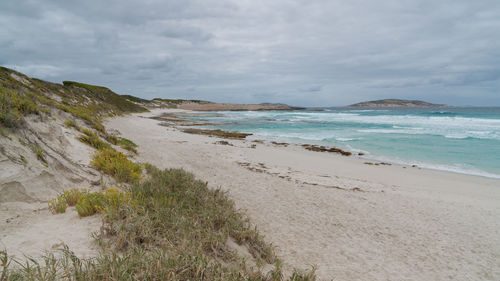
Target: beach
x: 351, y: 220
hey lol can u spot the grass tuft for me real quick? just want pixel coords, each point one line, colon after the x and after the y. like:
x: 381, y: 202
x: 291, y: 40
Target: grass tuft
x: 90, y: 138
x: 58, y: 205
x: 37, y: 149
x: 71, y: 124
x: 128, y: 145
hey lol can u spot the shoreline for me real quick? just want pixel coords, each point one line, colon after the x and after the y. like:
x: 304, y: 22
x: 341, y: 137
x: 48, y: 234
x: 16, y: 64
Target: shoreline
x: 365, y: 157
x: 354, y: 221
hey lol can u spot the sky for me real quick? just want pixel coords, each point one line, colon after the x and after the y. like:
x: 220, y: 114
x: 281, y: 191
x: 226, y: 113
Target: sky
x: 300, y: 52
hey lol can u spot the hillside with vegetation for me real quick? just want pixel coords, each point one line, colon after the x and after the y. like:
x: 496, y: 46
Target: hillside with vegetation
x: 56, y: 156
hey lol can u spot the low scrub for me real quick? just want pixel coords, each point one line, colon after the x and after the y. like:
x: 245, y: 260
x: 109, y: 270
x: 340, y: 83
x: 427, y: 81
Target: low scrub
x: 93, y: 139
x: 13, y: 106
x: 73, y: 195
x: 58, y: 205
x: 97, y: 202
x: 169, y: 227
x: 117, y: 164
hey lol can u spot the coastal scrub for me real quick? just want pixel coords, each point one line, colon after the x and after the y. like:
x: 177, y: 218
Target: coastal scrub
x: 168, y: 227
x: 117, y: 164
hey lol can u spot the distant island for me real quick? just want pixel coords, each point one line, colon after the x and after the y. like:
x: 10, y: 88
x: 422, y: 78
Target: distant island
x: 396, y: 103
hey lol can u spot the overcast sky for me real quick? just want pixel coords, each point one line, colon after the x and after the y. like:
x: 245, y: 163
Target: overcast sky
x: 302, y: 52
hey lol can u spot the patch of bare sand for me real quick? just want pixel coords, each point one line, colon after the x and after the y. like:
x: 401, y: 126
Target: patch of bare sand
x: 28, y: 181
x: 354, y: 221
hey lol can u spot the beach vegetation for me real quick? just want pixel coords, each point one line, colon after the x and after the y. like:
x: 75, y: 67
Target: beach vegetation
x: 72, y: 195
x: 71, y: 124
x: 58, y: 205
x: 89, y: 204
x: 111, y: 139
x: 135, y: 99
x: 168, y: 227
x: 179, y: 101
x: 13, y: 107
x: 127, y: 144
x: 92, y: 139
x: 23, y: 159
x: 107, y: 96
x: 117, y: 164
x: 37, y: 149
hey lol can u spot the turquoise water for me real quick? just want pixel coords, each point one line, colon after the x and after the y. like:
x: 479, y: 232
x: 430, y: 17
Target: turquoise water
x: 464, y: 140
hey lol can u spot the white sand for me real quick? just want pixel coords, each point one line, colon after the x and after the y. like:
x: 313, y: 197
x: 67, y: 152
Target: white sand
x: 398, y: 224
x: 26, y: 225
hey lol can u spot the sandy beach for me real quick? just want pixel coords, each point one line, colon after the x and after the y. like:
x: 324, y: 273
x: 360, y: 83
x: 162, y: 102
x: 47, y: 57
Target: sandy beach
x: 351, y: 220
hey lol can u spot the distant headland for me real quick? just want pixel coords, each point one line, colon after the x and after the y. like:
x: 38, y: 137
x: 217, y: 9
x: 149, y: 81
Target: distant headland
x: 396, y: 103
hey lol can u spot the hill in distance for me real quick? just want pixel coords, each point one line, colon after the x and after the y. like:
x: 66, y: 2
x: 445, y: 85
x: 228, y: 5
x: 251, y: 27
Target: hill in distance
x: 396, y: 103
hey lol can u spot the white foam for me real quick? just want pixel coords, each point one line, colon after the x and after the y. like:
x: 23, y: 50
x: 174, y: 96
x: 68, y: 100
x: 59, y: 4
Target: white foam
x: 456, y: 168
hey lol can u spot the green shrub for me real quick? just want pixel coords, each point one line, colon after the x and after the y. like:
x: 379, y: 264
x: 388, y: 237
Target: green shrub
x: 117, y: 164
x: 58, y: 205
x: 13, y: 106
x: 92, y: 139
x: 71, y: 196
x: 89, y: 204
x: 114, y: 198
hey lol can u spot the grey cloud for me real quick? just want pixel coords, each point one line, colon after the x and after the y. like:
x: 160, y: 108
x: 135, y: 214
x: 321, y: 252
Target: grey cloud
x: 312, y: 89
x: 183, y: 32
x: 269, y: 51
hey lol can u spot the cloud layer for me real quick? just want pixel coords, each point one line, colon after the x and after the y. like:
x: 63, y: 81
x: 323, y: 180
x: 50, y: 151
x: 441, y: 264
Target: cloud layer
x: 313, y: 53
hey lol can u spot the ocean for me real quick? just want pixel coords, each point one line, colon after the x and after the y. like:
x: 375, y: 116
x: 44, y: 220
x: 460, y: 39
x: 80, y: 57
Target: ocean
x: 461, y: 140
